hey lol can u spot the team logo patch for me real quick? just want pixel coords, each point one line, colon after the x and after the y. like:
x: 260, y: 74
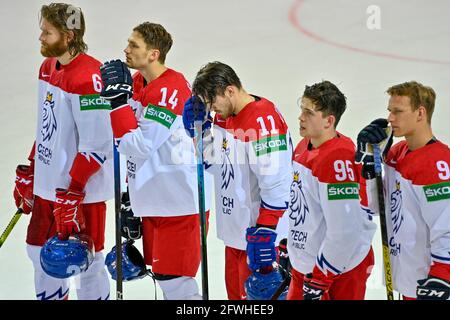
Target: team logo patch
x: 94, y: 102
x: 160, y: 115
x: 342, y: 191
x: 49, y: 124
x: 438, y: 191
x: 227, y: 168
x: 270, y: 144
x: 298, y: 208
x: 396, y: 205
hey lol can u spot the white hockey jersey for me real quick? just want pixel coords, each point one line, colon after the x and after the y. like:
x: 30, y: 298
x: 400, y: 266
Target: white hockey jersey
x: 250, y: 158
x: 327, y: 226
x: 417, y: 204
x: 72, y: 118
x: 161, y: 164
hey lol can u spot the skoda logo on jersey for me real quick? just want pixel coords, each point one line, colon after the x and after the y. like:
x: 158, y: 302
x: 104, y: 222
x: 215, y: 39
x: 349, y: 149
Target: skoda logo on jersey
x: 298, y: 207
x: 227, y: 167
x: 49, y: 124
x: 396, y: 206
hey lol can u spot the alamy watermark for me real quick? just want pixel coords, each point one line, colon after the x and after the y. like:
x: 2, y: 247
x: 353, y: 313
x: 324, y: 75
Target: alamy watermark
x: 74, y: 20
x: 373, y: 21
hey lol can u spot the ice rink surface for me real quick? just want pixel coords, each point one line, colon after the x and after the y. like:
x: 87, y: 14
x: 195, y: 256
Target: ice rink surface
x: 275, y: 46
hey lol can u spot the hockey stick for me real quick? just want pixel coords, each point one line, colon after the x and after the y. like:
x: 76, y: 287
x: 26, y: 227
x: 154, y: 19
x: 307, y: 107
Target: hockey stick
x: 283, y: 285
x: 384, y: 236
x: 119, y: 288
x: 198, y: 133
x: 10, y: 226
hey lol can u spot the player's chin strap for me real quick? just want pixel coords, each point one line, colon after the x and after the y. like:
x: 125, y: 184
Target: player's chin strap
x: 149, y: 272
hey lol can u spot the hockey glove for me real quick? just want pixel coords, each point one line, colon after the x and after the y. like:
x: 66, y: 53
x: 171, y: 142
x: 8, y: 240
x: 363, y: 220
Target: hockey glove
x: 117, y: 82
x: 433, y: 288
x: 377, y: 132
x: 68, y: 215
x: 130, y: 226
x: 261, y: 252
x: 283, y: 257
x: 314, y: 289
x: 195, y: 110
x: 23, y: 190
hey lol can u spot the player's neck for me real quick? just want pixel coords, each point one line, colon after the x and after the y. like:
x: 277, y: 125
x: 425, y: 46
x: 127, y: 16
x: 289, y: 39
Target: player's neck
x: 419, y: 138
x: 66, y: 58
x: 243, y: 99
x: 153, y: 71
x: 324, y: 137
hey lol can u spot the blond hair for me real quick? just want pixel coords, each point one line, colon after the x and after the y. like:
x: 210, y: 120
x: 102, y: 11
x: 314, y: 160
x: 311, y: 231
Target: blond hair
x: 419, y: 95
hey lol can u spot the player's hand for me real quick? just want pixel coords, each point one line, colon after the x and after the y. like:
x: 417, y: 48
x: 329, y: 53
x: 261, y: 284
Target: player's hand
x: 433, y: 288
x: 314, y: 289
x: 283, y: 257
x: 261, y: 251
x: 377, y: 132
x: 117, y: 82
x: 130, y: 226
x: 23, y: 189
x: 195, y: 110
x: 68, y: 214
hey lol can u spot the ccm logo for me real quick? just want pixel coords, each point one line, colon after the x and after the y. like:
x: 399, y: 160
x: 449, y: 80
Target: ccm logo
x: 118, y: 86
x: 258, y: 238
x: 66, y: 202
x: 23, y: 181
x: 430, y: 293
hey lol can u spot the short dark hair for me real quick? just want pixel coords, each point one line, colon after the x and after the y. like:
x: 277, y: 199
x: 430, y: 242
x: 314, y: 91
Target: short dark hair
x: 418, y: 94
x: 212, y: 79
x: 156, y: 37
x: 59, y: 15
x: 327, y: 98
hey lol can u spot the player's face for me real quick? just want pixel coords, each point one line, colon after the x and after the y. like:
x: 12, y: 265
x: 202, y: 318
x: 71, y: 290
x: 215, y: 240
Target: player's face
x: 137, y: 54
x: 222, y: 105
x: 402, y: 118
x: 53, y: 42
x: 312, y: 122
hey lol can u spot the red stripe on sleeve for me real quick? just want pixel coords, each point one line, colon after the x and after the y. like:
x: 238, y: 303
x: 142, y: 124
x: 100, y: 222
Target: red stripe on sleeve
x: 123, y: 121
x: 82, y: 169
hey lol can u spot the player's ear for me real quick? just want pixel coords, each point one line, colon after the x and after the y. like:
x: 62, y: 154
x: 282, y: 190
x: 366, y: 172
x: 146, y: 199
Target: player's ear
x: 70, y: 36
x: 154, y: 54
x: 422, y: 113
x: 229, y: 91
x: 330, y: 120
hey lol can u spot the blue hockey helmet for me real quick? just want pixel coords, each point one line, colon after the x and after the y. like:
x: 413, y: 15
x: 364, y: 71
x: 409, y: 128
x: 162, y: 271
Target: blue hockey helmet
x: 65, y: 258
x: 133, y: 265
x: 261, y: 286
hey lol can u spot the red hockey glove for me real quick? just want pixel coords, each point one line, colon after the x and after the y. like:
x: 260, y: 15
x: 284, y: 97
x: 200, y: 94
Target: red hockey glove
x: 69, y: 218
x: 316, y: 284
x: 23, y: 190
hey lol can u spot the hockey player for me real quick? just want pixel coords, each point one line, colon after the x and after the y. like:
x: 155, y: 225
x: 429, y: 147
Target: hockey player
x: 70, y: 173
x: 250, y: 158
x: 416, y: 183
x: 162, y: 181
x: 329, y: 239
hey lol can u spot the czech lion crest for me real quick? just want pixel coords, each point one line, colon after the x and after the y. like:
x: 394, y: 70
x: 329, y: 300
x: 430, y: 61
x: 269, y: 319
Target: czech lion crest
x: 298, y: 207
x: 396, y: 205
x: 227, y: 168
x: 49, y: 124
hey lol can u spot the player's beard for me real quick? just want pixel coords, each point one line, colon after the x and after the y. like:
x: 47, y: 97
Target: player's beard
x: 55, y: 50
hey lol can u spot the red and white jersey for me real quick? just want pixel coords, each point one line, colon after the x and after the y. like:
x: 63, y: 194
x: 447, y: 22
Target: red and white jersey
x: 72, y: 118
x: 251, y: 160
x: 417, y: 202
x: 161, y: 165
x: 327, y: 226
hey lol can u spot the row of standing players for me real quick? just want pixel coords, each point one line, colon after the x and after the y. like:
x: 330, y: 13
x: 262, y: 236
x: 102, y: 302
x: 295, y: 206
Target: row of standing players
x: 329, y: 197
